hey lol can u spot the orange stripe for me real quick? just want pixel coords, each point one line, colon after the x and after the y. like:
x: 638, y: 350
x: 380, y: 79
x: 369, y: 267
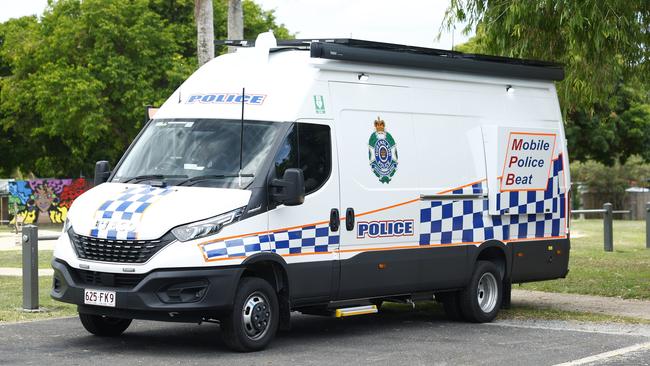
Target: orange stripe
x: 535, y: 239
x: 387, y: 208
x: 225, y: 259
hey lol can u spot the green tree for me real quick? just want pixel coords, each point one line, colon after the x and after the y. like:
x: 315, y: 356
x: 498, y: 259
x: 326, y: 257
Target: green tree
x: 610, y: 182
x: 73, y: 85
x: 599, y: 42
x: 614, y: 129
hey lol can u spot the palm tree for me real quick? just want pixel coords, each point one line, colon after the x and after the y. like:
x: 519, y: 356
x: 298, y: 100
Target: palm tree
x: 204, y: 30
x: 235, y: 21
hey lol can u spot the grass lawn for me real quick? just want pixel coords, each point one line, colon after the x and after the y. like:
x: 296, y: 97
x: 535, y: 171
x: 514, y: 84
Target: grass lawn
x: 624, y: 273
x: 11, y: 301
x: 6, y: 228
x: 13, y: 258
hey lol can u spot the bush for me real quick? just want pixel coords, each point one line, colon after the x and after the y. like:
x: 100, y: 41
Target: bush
x: 610, y: 182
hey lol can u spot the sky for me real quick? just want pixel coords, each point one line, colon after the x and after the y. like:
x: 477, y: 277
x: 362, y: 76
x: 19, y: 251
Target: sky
x: 412, y: 22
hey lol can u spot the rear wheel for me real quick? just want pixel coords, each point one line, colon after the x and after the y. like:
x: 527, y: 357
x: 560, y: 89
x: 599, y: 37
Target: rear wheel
x: 481, y: 299
x: 103, y: 325
x: 254, y: 318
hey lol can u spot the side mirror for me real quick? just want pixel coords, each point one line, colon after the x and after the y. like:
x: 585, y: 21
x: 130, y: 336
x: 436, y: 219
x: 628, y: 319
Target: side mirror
x: 102, y: 172
x: 290, y: 190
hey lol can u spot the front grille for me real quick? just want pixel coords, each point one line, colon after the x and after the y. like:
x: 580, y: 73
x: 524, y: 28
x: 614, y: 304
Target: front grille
x: 115, y: 250
x: 108, y: 279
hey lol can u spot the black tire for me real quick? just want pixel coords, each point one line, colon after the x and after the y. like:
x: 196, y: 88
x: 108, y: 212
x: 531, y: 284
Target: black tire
x: 104, y: 326
x: 451, y: 304
x: 240, y: 330
x: 480, y: 301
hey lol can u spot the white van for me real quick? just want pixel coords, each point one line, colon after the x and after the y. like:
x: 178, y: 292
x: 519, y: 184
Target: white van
x: 325, y: 177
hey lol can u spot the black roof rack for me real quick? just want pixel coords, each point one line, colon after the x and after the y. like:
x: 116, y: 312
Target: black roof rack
x: 347, y: 49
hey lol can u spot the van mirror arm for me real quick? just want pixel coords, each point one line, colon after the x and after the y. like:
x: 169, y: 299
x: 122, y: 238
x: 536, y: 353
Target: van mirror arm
x: 290, y: 190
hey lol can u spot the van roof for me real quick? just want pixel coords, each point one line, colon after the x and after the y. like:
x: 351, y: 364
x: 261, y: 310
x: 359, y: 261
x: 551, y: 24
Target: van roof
x: 355, y: 50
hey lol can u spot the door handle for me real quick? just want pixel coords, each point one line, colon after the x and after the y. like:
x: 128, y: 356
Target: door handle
x: 334, y: 219
x: 349, y: 219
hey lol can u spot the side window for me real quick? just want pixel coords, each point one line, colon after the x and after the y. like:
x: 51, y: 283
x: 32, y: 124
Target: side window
x: 308, y: 147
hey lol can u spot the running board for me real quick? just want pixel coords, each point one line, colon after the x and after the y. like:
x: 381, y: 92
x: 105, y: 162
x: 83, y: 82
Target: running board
x: 357, y: 310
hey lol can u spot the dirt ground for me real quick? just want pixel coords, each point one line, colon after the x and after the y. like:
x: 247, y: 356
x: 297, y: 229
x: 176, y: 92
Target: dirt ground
x: 583, y: 303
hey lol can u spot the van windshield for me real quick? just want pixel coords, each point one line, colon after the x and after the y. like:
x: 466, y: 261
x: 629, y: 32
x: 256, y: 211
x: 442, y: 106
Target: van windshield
x: 199, y: 152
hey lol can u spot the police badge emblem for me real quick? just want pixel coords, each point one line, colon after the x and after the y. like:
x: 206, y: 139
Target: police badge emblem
x: 382, y: 152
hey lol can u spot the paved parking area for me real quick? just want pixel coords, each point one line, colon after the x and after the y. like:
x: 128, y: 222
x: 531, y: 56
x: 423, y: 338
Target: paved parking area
x: 387, y: 338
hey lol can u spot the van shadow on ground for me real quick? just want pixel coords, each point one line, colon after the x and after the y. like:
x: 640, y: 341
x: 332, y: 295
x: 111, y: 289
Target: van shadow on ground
x: 305, y: 329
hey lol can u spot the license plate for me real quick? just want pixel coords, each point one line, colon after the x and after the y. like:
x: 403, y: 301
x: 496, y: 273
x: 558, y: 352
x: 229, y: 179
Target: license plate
x: 99, y: 297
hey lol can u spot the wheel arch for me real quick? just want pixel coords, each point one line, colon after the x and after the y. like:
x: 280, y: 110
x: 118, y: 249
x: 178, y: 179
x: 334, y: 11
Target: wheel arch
x: 270, y: 267
x: 497, y: 252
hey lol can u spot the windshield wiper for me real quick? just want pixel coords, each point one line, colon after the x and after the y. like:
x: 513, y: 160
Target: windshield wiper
x: 199, y: 178
x: 140, y: 178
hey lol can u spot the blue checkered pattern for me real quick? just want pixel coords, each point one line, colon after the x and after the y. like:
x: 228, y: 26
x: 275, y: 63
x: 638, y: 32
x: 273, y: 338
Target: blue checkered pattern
x: 540, y: 214
x: 129, y: 206
x: 307, y: 239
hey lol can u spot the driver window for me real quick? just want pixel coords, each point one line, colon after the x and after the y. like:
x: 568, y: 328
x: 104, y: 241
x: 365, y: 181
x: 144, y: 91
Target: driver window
x: 308, y: 147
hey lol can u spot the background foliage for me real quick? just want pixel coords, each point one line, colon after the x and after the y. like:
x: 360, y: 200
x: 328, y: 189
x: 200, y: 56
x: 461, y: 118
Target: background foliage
x: 74, y: 83
x: 604, y: 47
x: 610, y: 182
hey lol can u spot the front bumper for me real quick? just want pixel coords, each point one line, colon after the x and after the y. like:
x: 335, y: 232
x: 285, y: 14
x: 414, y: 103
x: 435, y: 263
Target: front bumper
x: 186, y: 295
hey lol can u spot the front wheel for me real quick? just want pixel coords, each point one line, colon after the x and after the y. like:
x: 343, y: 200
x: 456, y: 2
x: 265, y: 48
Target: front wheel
x: 254, y: 318
x: 481, y: 299
x: 103, y: 325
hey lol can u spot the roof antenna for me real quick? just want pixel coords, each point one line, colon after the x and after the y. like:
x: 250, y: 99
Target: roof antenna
x: 179, y: 95
x: 241, y: 135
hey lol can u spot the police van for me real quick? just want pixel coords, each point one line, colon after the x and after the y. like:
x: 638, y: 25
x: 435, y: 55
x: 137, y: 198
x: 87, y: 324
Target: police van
x: 325, y: 177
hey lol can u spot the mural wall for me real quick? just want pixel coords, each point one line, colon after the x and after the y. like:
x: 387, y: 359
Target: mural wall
x: 43, y: 201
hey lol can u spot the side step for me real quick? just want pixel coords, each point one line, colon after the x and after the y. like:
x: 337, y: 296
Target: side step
x: 356, y: 310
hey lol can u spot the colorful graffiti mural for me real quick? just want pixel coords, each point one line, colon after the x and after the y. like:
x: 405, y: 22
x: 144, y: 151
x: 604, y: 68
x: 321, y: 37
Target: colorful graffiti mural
x: 43, y: 200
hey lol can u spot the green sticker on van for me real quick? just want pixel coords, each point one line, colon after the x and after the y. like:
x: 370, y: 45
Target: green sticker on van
x: 319, y: 104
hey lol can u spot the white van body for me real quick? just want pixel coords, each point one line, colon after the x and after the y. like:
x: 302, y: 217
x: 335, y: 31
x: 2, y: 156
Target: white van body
x: 430, y: 171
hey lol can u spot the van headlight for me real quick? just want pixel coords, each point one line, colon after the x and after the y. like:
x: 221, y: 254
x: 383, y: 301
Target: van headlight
x: 207, y: 227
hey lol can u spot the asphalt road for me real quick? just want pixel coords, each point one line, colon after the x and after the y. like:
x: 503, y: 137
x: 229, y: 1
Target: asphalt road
x: 387, y: 338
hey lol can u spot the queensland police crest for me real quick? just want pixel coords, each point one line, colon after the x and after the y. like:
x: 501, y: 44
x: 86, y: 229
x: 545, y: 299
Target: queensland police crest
x: 382, y: 152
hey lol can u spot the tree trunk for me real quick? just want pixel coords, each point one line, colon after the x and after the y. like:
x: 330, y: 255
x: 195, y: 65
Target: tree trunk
x: 204, y: 30
x: 235, y: 21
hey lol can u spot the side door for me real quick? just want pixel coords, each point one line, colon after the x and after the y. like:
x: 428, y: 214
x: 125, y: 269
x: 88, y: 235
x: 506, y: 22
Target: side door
x: 379, y: 196
x: 302, y: 234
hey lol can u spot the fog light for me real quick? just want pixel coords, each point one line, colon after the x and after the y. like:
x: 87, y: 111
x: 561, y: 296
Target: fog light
x: 184, y: 292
